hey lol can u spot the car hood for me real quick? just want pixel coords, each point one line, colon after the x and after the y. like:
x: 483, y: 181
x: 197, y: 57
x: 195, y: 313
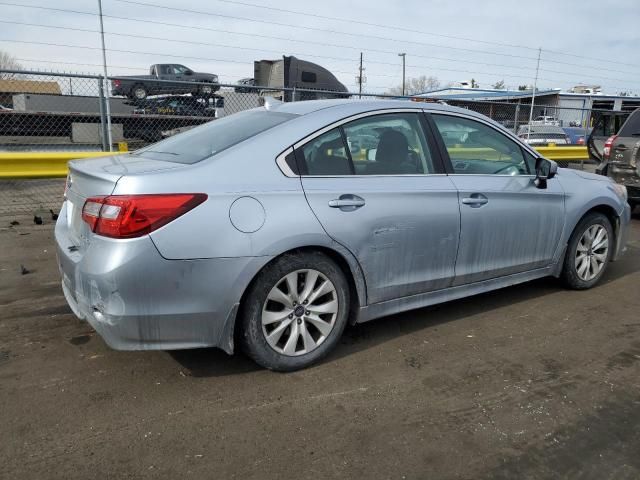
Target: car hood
x: 587, y: 175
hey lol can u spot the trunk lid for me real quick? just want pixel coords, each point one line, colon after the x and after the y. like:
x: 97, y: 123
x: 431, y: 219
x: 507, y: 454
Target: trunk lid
x: 95, y: 177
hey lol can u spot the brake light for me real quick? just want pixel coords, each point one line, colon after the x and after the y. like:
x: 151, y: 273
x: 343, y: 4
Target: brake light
x: 116, y: 83
x: 580, y: 141
x: 130, y: 216
x: 606, y: 152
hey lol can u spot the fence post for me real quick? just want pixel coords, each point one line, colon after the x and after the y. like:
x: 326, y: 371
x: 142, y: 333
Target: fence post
x: 293, y: 95
x: 516, y: 118
x: 103, y: 117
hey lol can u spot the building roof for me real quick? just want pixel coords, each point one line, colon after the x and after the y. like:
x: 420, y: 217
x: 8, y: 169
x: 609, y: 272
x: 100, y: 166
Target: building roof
x: 457, y: 93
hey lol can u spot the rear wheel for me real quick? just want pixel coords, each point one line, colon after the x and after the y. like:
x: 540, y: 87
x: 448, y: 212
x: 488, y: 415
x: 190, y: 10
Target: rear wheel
x: 588, y: 252
x: 139, y: 92
x: 295, y: 311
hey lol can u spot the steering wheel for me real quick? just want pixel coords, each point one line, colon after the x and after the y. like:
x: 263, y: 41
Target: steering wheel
x: 508, y: 170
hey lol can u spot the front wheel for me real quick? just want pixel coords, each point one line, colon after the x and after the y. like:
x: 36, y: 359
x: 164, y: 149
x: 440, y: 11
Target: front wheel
x: 588, y: 252
x: 295, y: 311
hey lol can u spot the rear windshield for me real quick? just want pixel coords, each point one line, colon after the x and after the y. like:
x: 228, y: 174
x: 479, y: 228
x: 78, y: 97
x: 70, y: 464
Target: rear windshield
x: 631, y: 127
x: 207, y: 140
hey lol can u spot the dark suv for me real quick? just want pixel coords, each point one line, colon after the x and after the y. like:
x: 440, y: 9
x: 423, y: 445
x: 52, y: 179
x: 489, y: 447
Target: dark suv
x: 621, y: 157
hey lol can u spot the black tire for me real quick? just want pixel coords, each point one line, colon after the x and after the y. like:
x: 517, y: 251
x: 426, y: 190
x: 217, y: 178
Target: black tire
x: 251, y: 336
x: 205, y: 91
x: 569, y: 275
x: 138, y: 92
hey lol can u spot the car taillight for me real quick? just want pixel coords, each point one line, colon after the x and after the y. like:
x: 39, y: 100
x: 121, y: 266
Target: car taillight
x: 130, y: 216
x: 116, y: 83
x: 580, y: 141
x: 607, y: 146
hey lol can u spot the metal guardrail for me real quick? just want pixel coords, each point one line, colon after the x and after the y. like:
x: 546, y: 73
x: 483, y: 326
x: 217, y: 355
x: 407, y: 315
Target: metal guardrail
x: 564, y: 153
x: 24, y: 165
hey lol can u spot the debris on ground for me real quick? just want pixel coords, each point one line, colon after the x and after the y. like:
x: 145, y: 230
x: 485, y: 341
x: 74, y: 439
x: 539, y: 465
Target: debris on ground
x: 37, y: 220
x: 54, y: 215
x: 24, y: 270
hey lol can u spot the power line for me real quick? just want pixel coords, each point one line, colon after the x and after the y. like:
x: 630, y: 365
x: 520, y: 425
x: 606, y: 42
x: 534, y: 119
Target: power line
x: 428, y: 57
x: 323, y: 30
x: 163, y: 54
x: 175, y: 40
x: 199, y: 12
x: 369, y: 24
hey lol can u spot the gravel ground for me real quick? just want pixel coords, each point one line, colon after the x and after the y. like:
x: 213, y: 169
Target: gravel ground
x: 531, y: 382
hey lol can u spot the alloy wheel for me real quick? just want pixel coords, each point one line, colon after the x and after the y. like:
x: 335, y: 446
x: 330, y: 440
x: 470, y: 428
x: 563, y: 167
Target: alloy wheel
x: 592, y: 252
x: 300, y: 312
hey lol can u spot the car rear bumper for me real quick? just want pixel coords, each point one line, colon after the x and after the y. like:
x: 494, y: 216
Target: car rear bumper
x: 137, y: 300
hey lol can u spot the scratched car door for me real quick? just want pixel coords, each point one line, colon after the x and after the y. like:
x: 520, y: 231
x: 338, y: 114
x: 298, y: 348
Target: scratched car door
x: 377, y: 187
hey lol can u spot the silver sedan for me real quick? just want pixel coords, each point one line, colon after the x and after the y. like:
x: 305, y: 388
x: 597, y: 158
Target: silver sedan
x: 273, y: 228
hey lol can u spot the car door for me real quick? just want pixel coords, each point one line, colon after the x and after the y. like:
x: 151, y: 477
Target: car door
x: 507, y: 224
x: 376, y: 185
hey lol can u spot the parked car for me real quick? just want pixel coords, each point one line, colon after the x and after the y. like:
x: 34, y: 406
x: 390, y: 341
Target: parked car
x: 262, y: 230
x: 545, y: 120
x: 621, y: 157
x: 176, y: 105
x: 245, y: 86
x: 605, y: 124
x: 577, y: 135
x: 5, y: 109
x: 165, y: 78
x: 543, y: 135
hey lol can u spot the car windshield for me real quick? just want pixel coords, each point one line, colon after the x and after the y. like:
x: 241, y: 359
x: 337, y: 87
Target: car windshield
x: 207, y: 140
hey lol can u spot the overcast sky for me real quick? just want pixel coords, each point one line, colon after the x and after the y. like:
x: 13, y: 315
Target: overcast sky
x: 604, y: 32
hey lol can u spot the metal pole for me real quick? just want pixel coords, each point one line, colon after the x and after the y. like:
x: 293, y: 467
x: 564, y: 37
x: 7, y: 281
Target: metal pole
x: 403, y: 55
x: 360, y: 78
x: 106, y: 79
x: 533, y: 95
x: 103, y: 117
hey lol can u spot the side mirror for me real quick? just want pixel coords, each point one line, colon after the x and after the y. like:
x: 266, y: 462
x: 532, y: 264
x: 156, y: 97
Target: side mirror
x: 545, y: 170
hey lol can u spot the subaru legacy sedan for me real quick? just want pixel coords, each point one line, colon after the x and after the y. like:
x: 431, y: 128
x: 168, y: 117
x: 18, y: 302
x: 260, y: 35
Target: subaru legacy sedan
x: 271, y: 229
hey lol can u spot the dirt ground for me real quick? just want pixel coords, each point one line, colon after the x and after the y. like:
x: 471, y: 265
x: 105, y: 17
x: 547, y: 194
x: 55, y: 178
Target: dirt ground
x: 531, y: 382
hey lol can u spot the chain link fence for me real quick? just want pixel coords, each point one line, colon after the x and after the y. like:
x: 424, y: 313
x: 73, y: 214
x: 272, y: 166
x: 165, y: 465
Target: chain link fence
x: 48, y: 112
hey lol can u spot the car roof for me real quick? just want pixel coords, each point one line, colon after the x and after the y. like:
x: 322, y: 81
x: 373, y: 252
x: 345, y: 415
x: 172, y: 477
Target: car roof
x: 361, y: 106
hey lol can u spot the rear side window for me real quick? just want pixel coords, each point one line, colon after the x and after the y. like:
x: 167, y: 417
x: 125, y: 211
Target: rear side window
x: 207, y: 140
x: 631, y: 127
x: 326, y: 155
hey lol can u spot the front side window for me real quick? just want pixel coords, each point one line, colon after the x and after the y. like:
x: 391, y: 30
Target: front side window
x: 476, y: 148
x: 388, y: 144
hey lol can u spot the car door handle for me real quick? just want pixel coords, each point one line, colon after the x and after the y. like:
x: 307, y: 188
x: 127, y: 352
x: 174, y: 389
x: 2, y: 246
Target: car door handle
x: 347, y: 202
x: 475, y: 200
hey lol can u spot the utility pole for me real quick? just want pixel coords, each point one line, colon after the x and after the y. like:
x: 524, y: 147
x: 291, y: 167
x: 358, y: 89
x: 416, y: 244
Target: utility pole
x: 533, y: 94
x: 360, y: 77
x: 106, y: 79
x: 403, y: 55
